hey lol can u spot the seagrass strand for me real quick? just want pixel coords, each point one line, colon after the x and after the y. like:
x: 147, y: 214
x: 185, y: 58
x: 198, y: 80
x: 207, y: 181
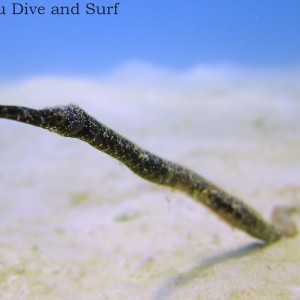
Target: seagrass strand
x: 72, y: 121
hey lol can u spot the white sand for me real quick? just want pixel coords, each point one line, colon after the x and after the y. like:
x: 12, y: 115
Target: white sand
x: 76, y: 224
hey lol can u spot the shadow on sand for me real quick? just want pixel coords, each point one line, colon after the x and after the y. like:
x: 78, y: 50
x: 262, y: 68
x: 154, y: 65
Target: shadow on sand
x: 169, y: 286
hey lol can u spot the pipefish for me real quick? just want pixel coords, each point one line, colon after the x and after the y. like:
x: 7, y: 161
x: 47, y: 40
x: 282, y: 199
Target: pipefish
x: 72, y: 121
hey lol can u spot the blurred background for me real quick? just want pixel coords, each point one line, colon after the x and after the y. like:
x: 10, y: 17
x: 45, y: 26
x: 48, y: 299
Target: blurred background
x: 175, y: 35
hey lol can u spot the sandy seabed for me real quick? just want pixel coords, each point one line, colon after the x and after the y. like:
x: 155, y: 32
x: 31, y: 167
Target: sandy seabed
x: 76, y: 224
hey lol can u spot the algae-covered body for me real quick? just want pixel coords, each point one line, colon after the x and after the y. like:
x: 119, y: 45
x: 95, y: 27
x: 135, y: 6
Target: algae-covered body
x: 72, y: 121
